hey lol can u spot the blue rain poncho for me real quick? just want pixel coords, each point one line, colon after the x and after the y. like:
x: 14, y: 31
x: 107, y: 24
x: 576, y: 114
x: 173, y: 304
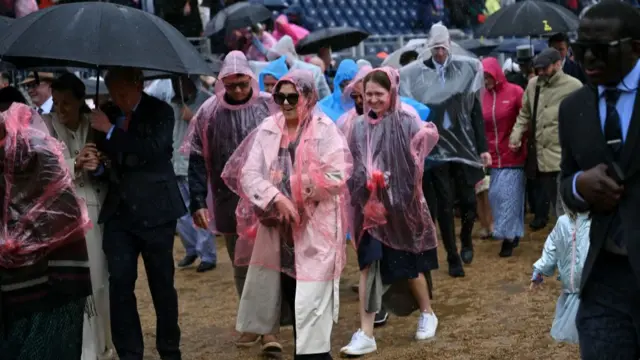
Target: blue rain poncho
x: 276, y: 68
x: 333, y: 105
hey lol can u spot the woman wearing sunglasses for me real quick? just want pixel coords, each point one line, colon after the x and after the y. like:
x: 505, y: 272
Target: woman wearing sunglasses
x: 392, y: 227
x: 291, y: 176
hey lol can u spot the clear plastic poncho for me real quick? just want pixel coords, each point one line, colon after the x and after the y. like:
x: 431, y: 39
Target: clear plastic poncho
x: 40, y: 209
x: 311, y: 170
x: 451, y: 92
x: 219, y: 126
x: 386, y: 186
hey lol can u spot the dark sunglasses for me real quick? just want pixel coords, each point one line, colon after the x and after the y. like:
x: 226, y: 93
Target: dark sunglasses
x: 356, y: 97
x: 599, y: 50
x: 239, y: 85
x: 292, y: 99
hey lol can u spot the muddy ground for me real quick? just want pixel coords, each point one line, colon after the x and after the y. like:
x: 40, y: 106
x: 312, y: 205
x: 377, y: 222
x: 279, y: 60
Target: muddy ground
x: 489, y: 314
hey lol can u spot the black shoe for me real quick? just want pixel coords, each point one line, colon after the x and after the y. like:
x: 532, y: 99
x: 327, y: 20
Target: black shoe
x: 205, y: 266
x: 516, y: 242
x: 466, y: 254
x: 381, y: 318
x: 537, y: 224
x: 187, y: 261
x: 507, y: 248
x: 455, y: 268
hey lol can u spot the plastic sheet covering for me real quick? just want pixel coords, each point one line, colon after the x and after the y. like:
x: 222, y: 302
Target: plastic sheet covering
x: 333, y: 105
x: 386, y: 186
x: 40, y: 210
x: 216, y: 131
x: 311, y: 170
x: 345, y: 121
x: 451, y: 93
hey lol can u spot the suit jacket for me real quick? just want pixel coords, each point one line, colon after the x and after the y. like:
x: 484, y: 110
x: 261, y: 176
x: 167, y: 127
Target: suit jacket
x: 583, y: 147
x: 143, y: 190
x: 572, y: 68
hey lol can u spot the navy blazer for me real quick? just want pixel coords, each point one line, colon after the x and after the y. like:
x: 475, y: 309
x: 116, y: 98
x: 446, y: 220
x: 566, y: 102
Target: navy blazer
x: 143, y: 189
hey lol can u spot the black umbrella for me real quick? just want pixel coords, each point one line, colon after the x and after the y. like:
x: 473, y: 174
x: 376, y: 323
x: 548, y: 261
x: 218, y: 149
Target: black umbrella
x: 237, y: 16
x: 336, y: 38
x: 272, y: 4
x: 98, y: 35
x: 529, y: 18
x: 479, y: 47
x: 5, y: 22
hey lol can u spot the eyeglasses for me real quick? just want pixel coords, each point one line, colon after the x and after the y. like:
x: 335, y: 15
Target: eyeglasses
x: 356, y: 96
x: 599, y: 50
x: 239, y: 85
x: 292, y: 98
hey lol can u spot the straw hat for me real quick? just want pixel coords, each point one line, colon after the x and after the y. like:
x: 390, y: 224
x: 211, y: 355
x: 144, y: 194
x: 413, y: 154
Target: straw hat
x: 42, y: 76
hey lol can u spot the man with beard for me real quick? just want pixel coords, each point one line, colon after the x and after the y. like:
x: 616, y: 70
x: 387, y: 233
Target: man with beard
x: 599, y: 131
x: 539, y: 113
x: 450, y: 86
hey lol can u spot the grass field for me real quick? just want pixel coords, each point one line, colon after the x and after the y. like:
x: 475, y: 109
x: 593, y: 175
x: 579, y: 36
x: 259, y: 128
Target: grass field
x: 489, y: 314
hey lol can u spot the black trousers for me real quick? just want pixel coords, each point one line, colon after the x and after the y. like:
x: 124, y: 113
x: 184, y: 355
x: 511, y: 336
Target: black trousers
x: 544, y: 190
x: 608, y: 320
x: 122, y: 247
x: 444, y: 184
x: 288, y: 285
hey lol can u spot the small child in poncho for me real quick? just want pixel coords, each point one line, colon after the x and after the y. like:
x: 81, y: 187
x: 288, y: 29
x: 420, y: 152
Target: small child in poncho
x: 566, y: 248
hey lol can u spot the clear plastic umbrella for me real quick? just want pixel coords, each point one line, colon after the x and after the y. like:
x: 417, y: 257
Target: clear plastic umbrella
x: 420, y: 46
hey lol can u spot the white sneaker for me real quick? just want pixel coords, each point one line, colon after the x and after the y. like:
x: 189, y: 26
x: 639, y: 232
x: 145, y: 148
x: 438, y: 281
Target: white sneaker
x: 427, y: 325
x: 360, y: 344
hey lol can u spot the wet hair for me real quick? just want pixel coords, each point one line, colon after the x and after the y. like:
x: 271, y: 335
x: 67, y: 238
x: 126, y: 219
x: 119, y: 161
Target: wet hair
x: 71, y: 83
x: 127, y: 74
x: 379, y: 77
x: 628, y: 15
x: 559, y: 37
x: 408, y: 57
x: 306, y: 91
x: 10, y: 95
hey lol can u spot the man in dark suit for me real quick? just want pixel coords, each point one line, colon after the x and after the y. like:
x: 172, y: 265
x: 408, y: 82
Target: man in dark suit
x: 600, y: 137
x: 560, y: 42
x: 140, y: 211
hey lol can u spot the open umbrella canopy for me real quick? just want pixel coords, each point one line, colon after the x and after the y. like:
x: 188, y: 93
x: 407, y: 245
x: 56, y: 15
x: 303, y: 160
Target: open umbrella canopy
x: 510, y: 46
x: 237, y: 16
x: 529, y: 18
x: 272, y: 4
x: 336, y: 38
x: 99, y: 35
x: 480, y: 47
x: 420, y: 46
x: 5, y: 22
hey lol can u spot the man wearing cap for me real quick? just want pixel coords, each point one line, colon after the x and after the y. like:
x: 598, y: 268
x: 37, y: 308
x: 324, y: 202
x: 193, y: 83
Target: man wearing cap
x: 540, y: 102
x: 39, y: 88
x: 524, y: 56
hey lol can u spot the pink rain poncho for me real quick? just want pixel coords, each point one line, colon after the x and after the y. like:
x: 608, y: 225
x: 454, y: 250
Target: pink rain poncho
x: 284, y: 27
x: 219, y: 126
x: 40, y: 209
x: 311, y: 170
x: 386, y: 186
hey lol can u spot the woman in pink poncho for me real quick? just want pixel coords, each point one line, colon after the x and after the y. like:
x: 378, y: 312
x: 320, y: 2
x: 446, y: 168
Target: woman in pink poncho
x: 392, y: 227
x: 291, y: 175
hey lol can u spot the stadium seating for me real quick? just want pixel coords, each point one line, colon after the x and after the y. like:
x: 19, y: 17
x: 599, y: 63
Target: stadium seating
x: 380, y: 17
